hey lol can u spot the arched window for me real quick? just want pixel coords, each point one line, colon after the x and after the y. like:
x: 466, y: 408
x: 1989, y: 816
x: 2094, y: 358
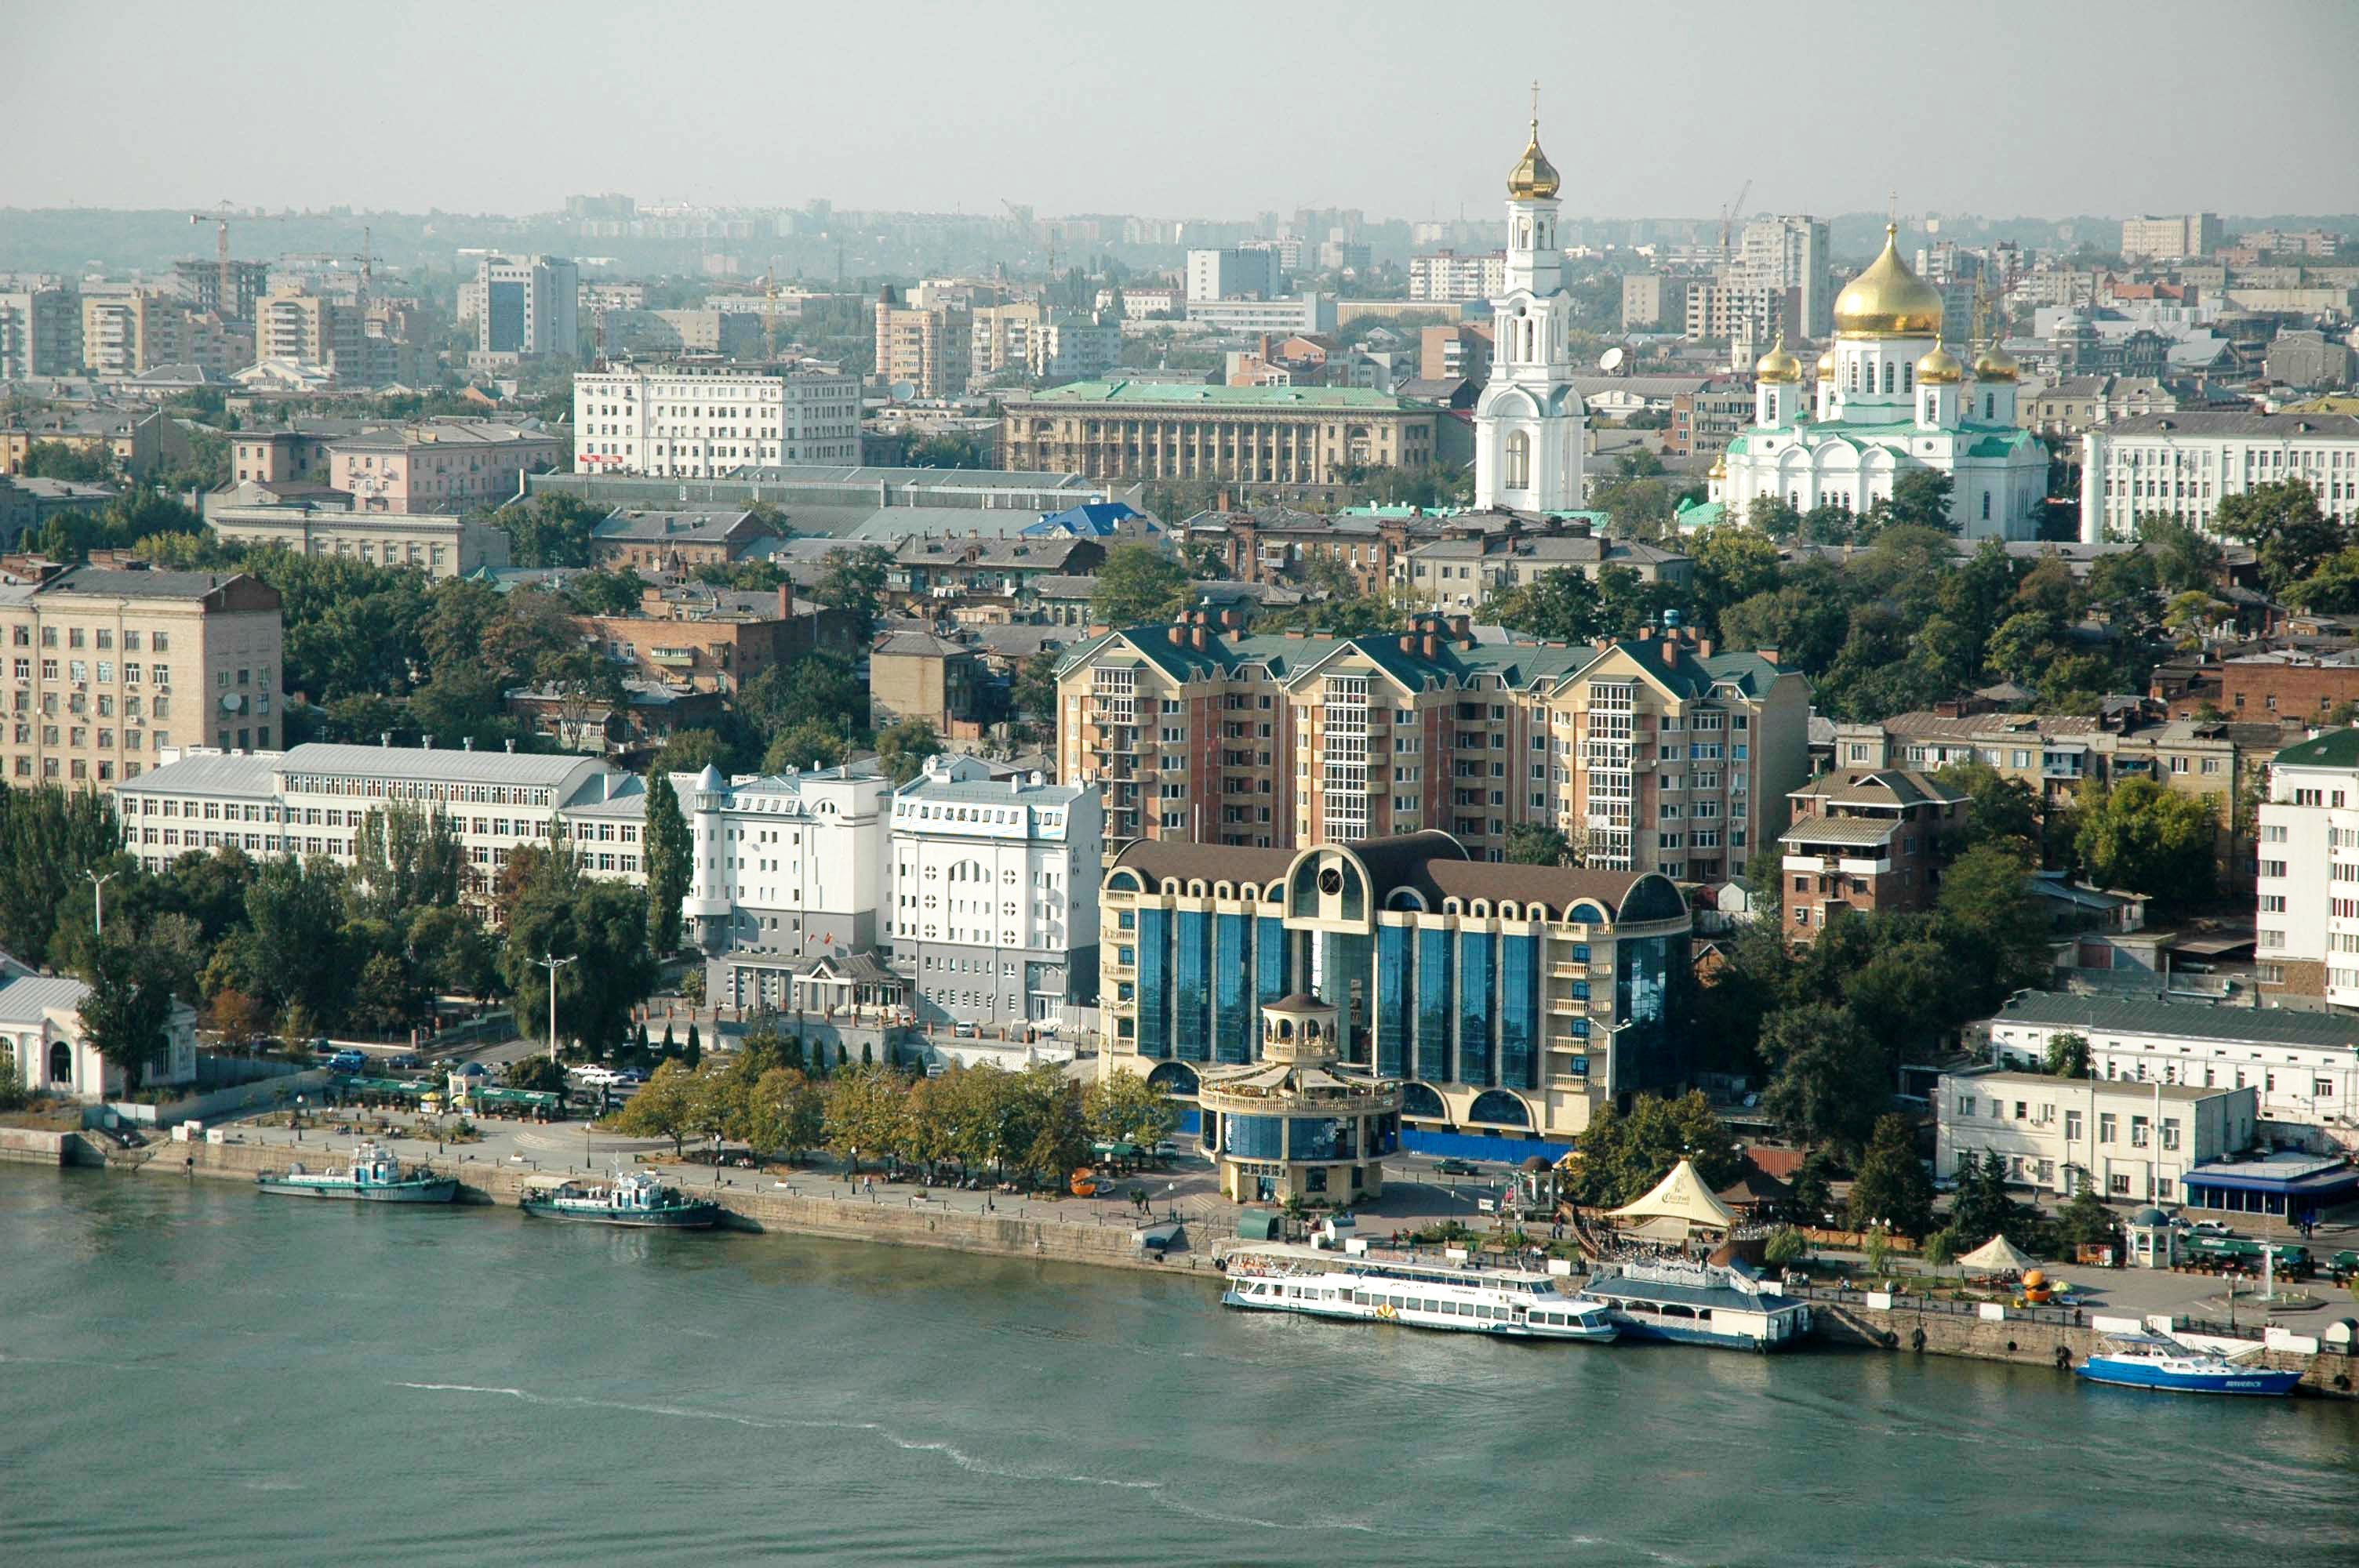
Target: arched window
x: 1929, y: 408
x: 1888, y: 378
x: 1499, y: 1108
x: 1420, y: 1101
x: 1853, y: 365
x: 1175, y: 1078
x: 1908, y: 378
x: 1990, y: 406
x: 1517, y: 454
x: 1985, y: 505
x: 60, y: 1062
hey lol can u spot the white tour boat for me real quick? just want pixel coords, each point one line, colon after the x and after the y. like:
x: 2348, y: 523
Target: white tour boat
x: 1275, y: 1276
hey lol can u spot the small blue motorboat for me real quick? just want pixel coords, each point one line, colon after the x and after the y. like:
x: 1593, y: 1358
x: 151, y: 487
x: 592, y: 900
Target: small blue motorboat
x: 2159, y: 1361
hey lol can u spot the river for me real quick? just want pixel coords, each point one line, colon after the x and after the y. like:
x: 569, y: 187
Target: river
x: 198, y: 1374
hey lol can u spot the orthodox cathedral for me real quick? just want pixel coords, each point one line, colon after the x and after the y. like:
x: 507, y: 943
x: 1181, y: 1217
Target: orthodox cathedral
x: 1530, y: 425
x: 1889, y: 398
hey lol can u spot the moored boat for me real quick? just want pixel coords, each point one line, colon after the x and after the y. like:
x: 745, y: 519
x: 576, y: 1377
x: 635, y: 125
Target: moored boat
x: 1700, y: 1303
x: 376, y: 1176
x: 2159, y: 1361
x: 1515, y: 1303
x: 636, y: 1199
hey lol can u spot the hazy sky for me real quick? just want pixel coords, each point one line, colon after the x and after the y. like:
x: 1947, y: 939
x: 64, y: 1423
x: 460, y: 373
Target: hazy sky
x: 1209, y: 109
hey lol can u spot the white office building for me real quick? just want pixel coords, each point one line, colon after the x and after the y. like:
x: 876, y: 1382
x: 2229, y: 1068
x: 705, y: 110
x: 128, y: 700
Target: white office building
x: 992, y: 915
x: 2306, y: 922
x: 2303, y: 1066
x: 789, y: 864
x: 692, y: 421
x: 523, y: 308
x: 1241, y: 273
x: 2136, y: 1142
x: 2184, y: 464
x: 313, y: 799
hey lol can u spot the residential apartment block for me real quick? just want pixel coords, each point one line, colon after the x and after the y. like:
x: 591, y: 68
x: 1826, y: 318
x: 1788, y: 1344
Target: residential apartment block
x: 2185, y: 463
x: 1864, y: 840
x: 2302, y: 1067
x: 2177, y: 238
x: 2135, y: 1142
x: 311, y: 330
x: 126, y: 332
x: 439, y: 544
x: 1467, y: 567
x: 523, y: 308
x: 111, y: 670
x: 1256, y: 435
x: 2306, y: 919
x: 1659, y: 753
x: 697, y: 638
x: 440, y: 465
x: 991, y: 911
x: 693, y: 421
x: 925, y: 347
x: 1511, y: 999
x: 1447, y: 275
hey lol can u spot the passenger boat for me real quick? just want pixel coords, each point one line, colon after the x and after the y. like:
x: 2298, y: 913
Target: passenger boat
x: 1517, y: 1304
x: 636, y: 1199
x: 373, y: 1176
x: 1700, y: 1303
x: 2159, y: 1361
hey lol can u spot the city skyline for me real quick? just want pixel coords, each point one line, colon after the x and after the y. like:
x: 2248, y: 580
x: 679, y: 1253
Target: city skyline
x: 996, y: 118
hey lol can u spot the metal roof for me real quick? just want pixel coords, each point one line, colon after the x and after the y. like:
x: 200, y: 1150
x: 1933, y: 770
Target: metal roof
x: 245, y: 774
x: 417, y: 761
x: 2179, y: 1020
x: 27, y: 999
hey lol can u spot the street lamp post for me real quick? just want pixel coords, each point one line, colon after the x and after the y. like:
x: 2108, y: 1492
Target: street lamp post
x: 552, y: 963
x: 99, y: 883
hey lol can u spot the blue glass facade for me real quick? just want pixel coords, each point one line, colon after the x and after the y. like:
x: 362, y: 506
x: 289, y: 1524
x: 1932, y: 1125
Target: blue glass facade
x: 1272, y: 975
x: 1475, y: 1013
x: 1192, y: 996
x: 1519, y: 1012
x: 1232, y: 1041
x: 1433, y: 1005
x: 1395, y: 999
x: 1254, y: 1137
x: 1154, y: 983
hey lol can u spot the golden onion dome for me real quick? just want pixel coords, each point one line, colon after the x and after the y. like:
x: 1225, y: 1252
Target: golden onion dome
x: 1888, y: 300
x: 1994, y: 364
x: 1778, y: 364
x: 1533, y: 177
x: 1719, y: 468
x: 1827, y: 365
x: 1940, y: 368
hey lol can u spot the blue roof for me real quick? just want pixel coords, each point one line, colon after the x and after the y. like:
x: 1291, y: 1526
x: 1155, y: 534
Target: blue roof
x: 2309, y: 1176
x: 1090, y: 520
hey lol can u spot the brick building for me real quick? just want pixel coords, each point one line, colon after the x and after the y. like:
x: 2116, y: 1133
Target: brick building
x: 666, y: 541
x: 1865, y: 839
x: 707, y: 639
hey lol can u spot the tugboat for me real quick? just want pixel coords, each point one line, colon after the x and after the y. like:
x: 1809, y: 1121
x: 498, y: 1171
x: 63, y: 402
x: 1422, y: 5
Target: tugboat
x: 2159, y: 1361
x: 636, y: 1199
x: 373, y: 1176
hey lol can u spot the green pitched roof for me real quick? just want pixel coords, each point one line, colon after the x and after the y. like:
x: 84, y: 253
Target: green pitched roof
x: 2336, y: 748
x: 2180, y: 1019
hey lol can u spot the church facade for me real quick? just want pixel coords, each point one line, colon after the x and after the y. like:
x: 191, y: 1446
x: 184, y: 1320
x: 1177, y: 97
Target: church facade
x: 1889, y: 398
x: 1530, y: 426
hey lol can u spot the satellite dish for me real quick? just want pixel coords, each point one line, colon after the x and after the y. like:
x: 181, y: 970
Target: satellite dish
x: 1611, y: 360
x: 903, y: 391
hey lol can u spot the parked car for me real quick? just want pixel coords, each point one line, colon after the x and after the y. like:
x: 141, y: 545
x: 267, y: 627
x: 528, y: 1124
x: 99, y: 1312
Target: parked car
x: 322, y: 1049
x: 407, y: 1062
x: 347, y: 1062
x: 1456, y: 1168
x: 962, y: 1030
x: 595, y: 1077
x: 629, y: 1076
x: 2204, y: 1227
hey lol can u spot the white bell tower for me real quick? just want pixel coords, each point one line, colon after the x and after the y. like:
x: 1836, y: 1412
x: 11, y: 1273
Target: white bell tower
x: 1530, y: 426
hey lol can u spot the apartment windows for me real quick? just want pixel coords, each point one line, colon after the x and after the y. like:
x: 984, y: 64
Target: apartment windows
x: 2108, y: 1127
x: 2072, y: 1126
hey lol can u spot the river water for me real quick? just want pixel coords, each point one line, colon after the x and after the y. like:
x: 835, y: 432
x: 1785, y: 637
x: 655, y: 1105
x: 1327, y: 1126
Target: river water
x: 198, y: 1374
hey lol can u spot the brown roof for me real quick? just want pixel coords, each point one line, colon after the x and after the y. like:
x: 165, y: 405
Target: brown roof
x: 1557, y: 886
x: 1877, y: 786
x: 1184, y: 858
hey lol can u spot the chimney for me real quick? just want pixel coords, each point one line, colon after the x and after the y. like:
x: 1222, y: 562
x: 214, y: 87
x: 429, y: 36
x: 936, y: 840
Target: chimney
x: 1671, y: 652
x: 384, y: 738
x: 1408, y: 642
x: 1178, y: 634
x: 1200, y: 638
x: 467, y: 743
x: 1231, y: 620
x: 426, y: 742
x: 1646, y: 632
x: 511, y: 745
x: 1432, y: 644
x: 786, y: 601
x: 1766, y: 655
x: 1462, y: 626
x: 1703, y: 647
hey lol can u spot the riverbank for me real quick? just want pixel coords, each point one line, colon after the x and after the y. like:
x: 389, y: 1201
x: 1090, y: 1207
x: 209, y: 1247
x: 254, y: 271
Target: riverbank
x: 1866, y: 1320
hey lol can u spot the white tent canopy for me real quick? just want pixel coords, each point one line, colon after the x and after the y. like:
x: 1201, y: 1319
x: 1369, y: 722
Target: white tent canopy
x: 1681, y: 1196
x: 1997, y: 1256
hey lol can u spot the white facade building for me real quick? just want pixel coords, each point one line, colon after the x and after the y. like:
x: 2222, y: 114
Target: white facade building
x: 42, y: 1048
x: 2303, y: 1066
x: 1446, y: 276
x: 992, y: 911
x: 523, y: 308
x: 2186, y: 463
x: 1233, y: 274
x: 2306, y: 922
x: 702, y: 422
x: 1891, y: 400
x: 790, y: 864
x: 2136, y: 1141
x: 1530, y: 425
x: 1789, y: 252
x: 1295, y: 313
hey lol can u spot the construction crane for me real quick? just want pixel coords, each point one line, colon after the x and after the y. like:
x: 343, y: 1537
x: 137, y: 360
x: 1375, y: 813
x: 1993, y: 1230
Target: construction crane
x: 1730, y: 214
x: 219, y: 217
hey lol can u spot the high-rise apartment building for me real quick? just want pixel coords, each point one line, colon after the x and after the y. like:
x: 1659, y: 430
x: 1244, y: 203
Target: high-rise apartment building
x: 40, y: 332
x: 126, y: 332
x: 925, y: 347
x: 1660, y: 753
x: 2181, y: 237
x: 310, y: 328
x: 693, y: 421
x: 199, y: 282
x: 107, y: 669
x: 1447, y: 275
x: 1789, y: 252
x: 524, y: 307
x: 2307, y: 949
x: 1244, y: 274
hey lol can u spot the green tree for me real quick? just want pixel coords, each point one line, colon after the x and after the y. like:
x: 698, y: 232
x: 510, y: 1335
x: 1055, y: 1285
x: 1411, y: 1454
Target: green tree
x: 2068, y: 1054
x: 1560, y: 605
x: 406, y: 858
x: 127, y: 1014
x: 48, y: 839
x: 1892, y: 1188
x: 904, y: 747
x: 538, y: 1074
x: 693, y: 1052
x: 550, y: 530
x: 1804, y: 623
x: 1624, y: 1153
x: 1829, y: 1080
x: 853, y: 580
x: 1123, y: 1107
x: 687, y: 752
x: 1786, y: 1247
x: 454, y: 955
x: 806, y: 744
x: 2084, y: 1220
x: 670, y: 852
x: 1920, y: 499
x: 606, y: 592
x: 1137, y: 585
x: 2288, y: 532
x: 1732, y: 563
x: 664, y: 1106
x: 1994, y: 926
x: 602, y: 925
x: 784, y: 1114
x: 1999, y: 809
x: 2147, y: 838
x: 1530, y: 844
x: 865, y: 1113
x: 294, y: 912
